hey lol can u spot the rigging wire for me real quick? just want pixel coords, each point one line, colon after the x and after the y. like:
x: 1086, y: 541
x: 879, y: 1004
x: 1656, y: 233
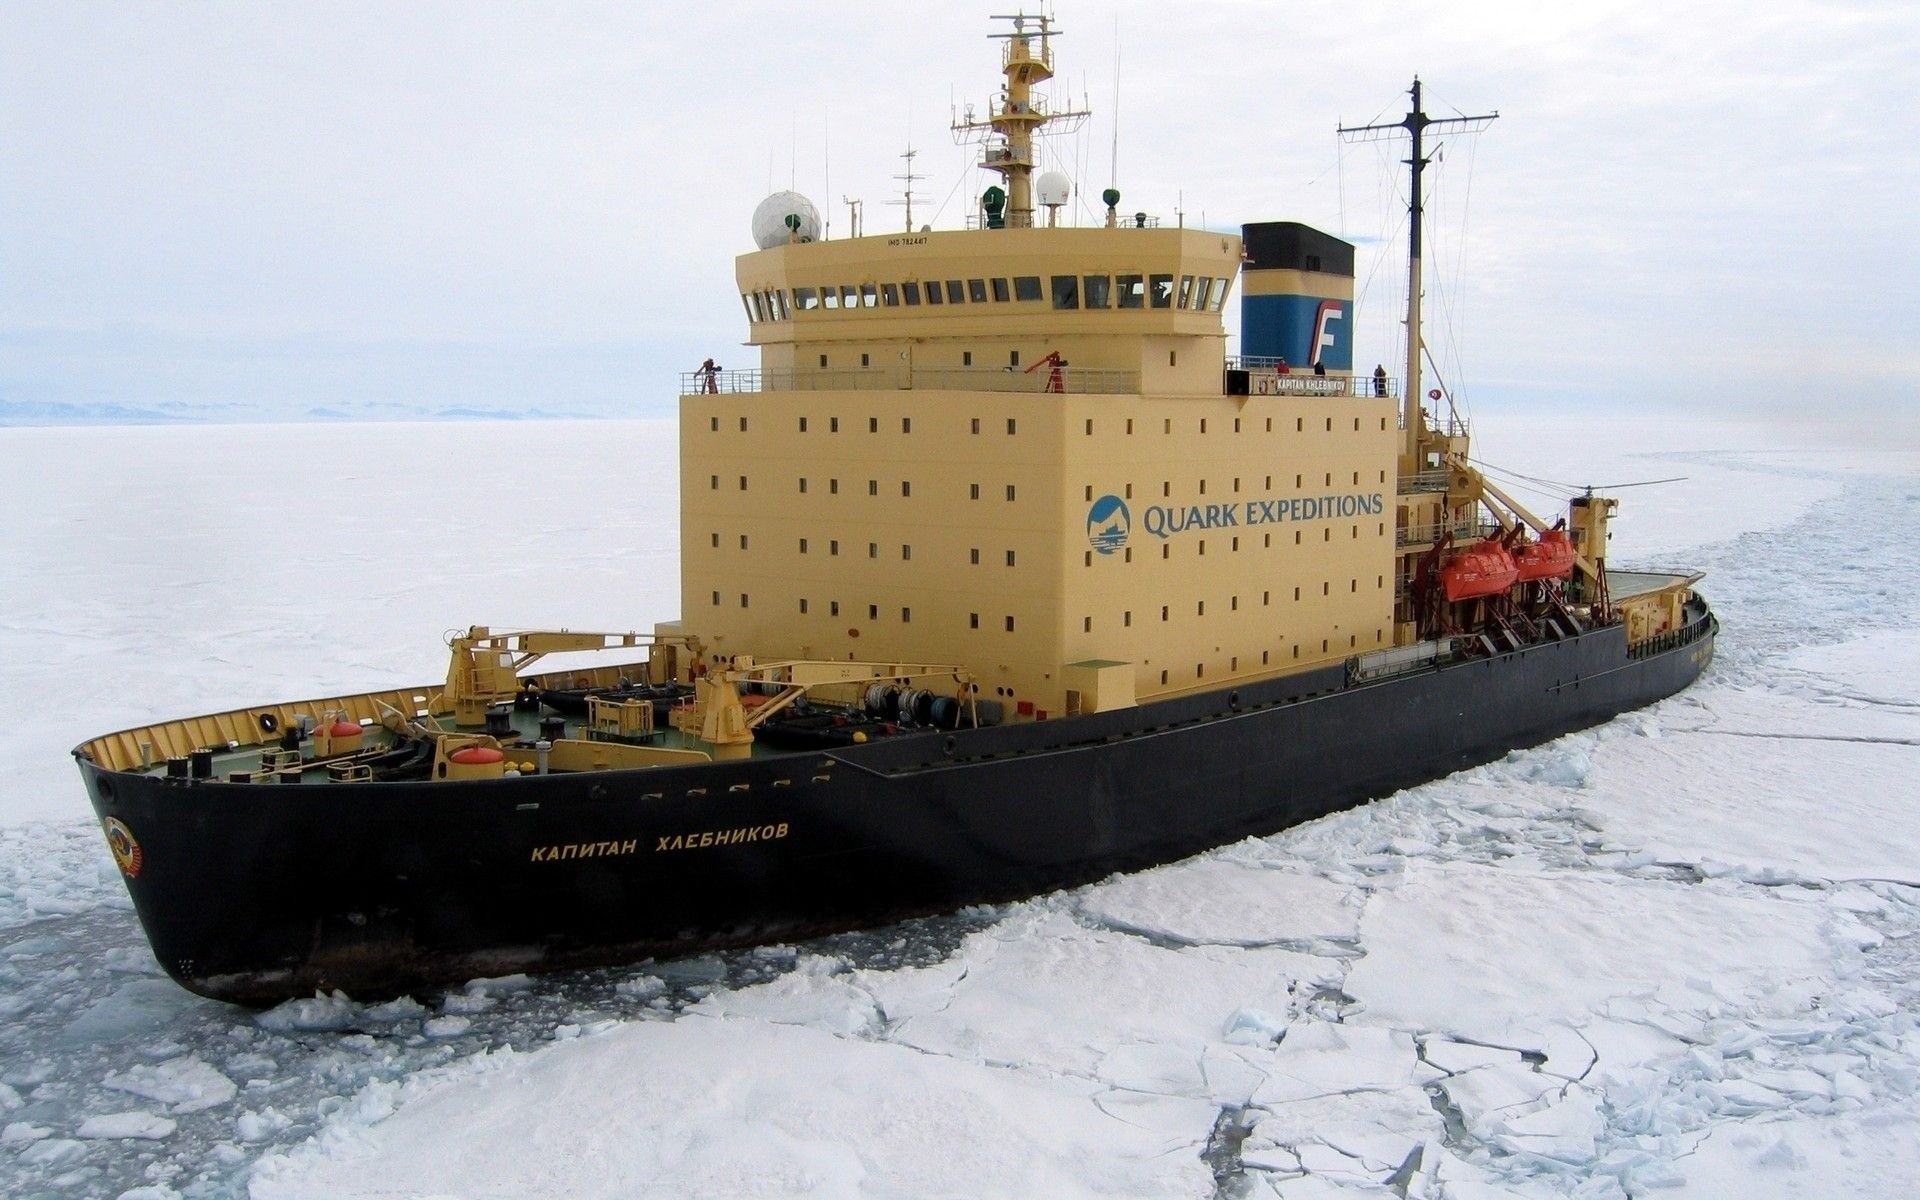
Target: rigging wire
x: 1571, y: 489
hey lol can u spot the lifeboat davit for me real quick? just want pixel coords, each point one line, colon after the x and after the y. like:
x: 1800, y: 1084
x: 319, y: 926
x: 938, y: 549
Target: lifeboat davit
x: 1482, y: 569
x: 1549, y: 558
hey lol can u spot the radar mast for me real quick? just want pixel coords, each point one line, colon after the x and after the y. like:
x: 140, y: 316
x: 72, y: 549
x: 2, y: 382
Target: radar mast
x: 1017, y: 114
x: 1415, y: 124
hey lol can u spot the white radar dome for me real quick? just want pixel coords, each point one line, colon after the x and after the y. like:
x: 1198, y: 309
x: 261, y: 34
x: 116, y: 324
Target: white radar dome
x: 770, y: 226
x: 1053, y: 188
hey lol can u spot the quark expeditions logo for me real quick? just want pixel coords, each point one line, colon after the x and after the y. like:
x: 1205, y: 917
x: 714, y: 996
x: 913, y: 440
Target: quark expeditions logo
x: 1108, y: 523
x: 1163, y: 521
x: 126, y: 851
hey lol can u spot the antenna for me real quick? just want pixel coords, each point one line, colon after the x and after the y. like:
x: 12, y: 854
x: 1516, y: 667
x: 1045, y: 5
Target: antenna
x: 853, y: 215
x: 1113, y: 162
x: 909, y: 178
x: 1415, y: 124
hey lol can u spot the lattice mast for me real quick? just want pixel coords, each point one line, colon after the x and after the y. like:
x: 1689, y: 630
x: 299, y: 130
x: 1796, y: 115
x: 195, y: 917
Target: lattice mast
x: 1416, y: 123
x: 1017, y: 115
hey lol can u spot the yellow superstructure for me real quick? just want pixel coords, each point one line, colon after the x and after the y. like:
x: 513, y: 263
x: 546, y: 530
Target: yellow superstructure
x: 1021, y: 450
x: 913, y: 480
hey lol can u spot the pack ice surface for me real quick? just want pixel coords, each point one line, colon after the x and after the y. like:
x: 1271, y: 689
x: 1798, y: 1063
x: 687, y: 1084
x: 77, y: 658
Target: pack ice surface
x: 1680, y: 952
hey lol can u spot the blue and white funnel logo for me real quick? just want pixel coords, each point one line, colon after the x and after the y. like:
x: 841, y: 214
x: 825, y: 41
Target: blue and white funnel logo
x: 1108, y: 523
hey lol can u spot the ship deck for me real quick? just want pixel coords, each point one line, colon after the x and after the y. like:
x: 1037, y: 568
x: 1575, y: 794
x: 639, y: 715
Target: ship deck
x: 1623, y: 585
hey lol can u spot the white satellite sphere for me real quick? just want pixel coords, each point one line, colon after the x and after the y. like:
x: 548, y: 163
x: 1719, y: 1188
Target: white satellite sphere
x: 770, y: 219
x: 1053, y: 188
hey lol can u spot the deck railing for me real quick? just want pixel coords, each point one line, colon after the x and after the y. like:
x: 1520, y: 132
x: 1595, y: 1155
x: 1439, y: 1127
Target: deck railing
x: 1462, y: 531
x: 1077, y: 380
x: 1265, y: 379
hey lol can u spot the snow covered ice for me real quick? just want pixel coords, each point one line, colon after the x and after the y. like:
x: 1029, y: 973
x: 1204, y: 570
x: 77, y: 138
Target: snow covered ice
x: 1676, y: 955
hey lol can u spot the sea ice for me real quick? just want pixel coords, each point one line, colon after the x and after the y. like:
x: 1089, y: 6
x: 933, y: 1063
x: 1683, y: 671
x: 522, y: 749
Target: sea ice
x: 143, y: 1125
x: 1217, y: 900
x: 691, y: 1108
x: 185, y: 1084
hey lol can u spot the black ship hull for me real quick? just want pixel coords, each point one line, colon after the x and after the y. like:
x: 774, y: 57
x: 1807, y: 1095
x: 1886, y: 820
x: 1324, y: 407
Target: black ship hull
x: 255, y: 893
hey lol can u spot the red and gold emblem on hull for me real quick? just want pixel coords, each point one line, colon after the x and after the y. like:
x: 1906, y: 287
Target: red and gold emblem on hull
x: 126, y: 850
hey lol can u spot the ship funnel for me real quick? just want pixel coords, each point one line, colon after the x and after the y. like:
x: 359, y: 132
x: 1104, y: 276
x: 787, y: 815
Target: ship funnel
x: 1296, y: 295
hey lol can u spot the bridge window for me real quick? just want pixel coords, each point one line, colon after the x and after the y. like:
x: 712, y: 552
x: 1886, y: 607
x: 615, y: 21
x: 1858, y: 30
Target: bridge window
x: 830, y: 297
x: 977, y: 290
x: 869, y: 296
x: 1026, y: 287
x: 910, y: 292
x: 890, y: 295
x: 1000, y: 292
x: 752, y: 302
x: 805, y: 299
x: 1205, y: 295
x: 956, y: 292
x: 1186, y: 291
x: 1161, y: 290
x: 933, y: 292
x: 1066, y: 291
x: 1099, y: 291
x: 1132, y: 290
x: 1220, y: 293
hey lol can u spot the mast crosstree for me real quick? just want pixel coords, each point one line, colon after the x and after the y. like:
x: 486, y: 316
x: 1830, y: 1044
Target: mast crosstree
x: 1415, y: 124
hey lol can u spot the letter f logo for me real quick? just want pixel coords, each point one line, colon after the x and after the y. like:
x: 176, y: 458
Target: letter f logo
x: 1324, y: 335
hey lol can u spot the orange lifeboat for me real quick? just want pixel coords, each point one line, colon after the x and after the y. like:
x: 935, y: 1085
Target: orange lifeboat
x: 1549, y: 558
x: 1482, y: 569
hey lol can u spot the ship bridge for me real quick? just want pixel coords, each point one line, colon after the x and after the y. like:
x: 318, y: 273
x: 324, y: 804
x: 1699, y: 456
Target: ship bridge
x: 1127, y: 309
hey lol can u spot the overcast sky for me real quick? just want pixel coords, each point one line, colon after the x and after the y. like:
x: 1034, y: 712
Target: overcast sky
x: 289, y: 206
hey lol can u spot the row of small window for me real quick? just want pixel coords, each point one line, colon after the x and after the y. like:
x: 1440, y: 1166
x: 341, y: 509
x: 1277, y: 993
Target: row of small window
x: 1086, y: 623
x: 1166, y: 548
x: 873, y: 423
x: 873, y: 611
x: 906, y: 423
x: 873, y: 549
x: 1266, y: 542
x: 1012, y: 492
x: 873, y: 487
x: 1196, y: 293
